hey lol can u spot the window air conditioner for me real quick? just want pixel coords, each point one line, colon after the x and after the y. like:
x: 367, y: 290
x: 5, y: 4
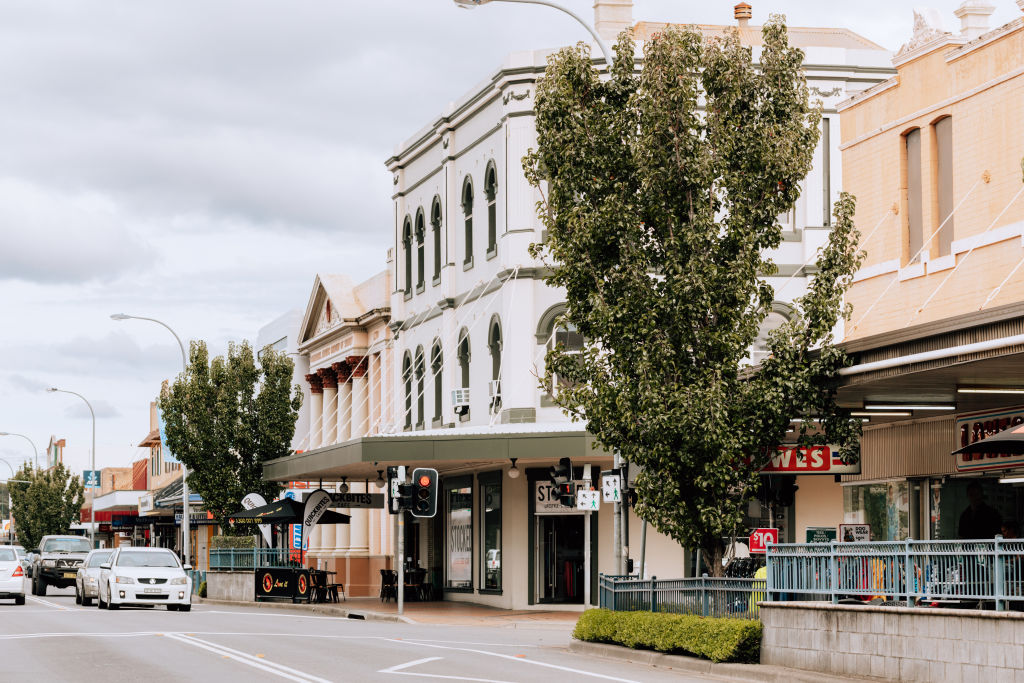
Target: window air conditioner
x: 460, y: 400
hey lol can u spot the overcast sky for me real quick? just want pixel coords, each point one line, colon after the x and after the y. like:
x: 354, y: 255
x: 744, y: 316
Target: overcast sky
x: 198, y: 161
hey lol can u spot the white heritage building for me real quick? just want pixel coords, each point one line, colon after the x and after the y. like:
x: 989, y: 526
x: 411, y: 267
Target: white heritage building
x: 472, y: 320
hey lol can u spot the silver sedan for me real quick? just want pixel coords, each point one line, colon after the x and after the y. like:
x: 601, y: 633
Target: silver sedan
x: 87, y: 579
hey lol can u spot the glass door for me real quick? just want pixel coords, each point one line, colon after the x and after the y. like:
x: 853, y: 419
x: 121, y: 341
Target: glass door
x: 560, y: 559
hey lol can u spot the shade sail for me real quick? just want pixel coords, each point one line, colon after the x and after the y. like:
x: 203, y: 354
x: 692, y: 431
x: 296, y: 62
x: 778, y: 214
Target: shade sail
x: 1007, y: 441
x: 286, y: 511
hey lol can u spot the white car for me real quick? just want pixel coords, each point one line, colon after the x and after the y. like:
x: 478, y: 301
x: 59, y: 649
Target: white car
x: 144, y: 576
x: 88, y: 578
x: 12, y: 575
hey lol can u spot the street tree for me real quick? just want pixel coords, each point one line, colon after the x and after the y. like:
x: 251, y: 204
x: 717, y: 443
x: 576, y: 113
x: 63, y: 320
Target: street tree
x: 49, y: 504
x: 225, y: 417
x: 661, y: 192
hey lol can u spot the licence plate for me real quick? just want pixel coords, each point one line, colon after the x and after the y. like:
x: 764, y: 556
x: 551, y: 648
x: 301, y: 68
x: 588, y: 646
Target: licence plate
x: 150, y: 590
x: 70, y: 575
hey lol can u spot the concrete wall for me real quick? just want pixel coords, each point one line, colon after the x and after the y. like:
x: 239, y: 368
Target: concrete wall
x: 230, y: 586
x: 894, y: 643
x: 819, y: 502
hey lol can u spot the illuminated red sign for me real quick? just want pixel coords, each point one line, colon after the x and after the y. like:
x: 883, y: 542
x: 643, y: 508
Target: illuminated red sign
x: 809, y: 460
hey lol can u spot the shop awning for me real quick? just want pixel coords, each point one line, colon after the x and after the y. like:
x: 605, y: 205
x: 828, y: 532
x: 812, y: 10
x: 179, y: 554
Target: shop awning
x: 170, y: 496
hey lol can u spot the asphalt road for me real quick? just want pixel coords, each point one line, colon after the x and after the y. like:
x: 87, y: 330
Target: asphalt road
x: 52, y: 638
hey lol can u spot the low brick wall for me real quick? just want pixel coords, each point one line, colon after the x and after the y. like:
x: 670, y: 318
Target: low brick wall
x: 233, y: 586
x: 894, y: 643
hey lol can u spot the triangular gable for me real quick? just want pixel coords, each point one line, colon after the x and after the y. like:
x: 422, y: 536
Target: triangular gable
x: 333, y: 291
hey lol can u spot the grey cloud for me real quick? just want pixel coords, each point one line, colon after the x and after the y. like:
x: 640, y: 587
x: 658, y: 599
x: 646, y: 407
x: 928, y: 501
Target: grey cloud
x: 26, y: 383
x: 103, y: 410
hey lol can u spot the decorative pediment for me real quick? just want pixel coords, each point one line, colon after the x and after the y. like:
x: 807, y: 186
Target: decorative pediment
x: 332, y: 301
x: 927, y: 29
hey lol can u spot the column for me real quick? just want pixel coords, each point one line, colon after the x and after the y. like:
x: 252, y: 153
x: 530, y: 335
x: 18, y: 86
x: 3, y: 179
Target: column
x: 360, y: 396
x: 359, y: 538
x: 330, y: 408
x: 316, y: 409
x: 342, y: 534
x: 343, y: 373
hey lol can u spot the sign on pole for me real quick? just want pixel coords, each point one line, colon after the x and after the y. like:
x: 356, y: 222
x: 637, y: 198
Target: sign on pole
x: 255, y: 500
x: 855, y: 533
x: 611, y: 487
x: 761, y: 538
x: 587, y: 500
x: 821, y: 534
x: 91, y: 479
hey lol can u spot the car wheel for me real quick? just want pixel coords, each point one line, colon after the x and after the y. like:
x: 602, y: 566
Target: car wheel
x: 78, y: 596
x: 86, y: 602
x: 19, y: 600
x: 42, y: 586
x: 99, y: 599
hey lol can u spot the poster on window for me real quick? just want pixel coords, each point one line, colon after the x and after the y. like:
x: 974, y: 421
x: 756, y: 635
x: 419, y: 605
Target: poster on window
x: 460, y: 538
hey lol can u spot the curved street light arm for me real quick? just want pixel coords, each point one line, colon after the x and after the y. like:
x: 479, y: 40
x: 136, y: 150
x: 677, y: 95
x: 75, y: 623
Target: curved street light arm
x: 35, y: 451
x: 92, y: 507
x: 184, y: 356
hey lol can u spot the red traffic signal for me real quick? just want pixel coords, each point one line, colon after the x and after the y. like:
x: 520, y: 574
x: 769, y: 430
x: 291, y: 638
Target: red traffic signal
x: 424, y: 503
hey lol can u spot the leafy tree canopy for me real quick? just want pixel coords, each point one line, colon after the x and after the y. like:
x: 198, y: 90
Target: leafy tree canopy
x: 224, y: 418
x: 661, y: 196
x: 48, y: 505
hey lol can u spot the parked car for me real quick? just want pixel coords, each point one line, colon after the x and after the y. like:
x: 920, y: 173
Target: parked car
x: 87, y: 580
x: 22, y: 557
x: 12, y: 576
x: 58, y: 561
x: 30, y: 558
x: 144, y: 576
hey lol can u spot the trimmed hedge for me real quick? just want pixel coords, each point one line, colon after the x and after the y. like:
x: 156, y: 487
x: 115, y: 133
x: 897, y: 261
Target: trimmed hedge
x: 225, y: 542
x: 720, y: 640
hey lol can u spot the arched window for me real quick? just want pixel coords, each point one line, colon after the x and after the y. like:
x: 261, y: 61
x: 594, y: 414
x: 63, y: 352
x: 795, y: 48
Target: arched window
x: 491, y: 191
x: 407, y: 248
x: 778, y: 317
x: 436, y: 363
x: 407, y: 381
x: 463, y: 355
x: 565, y: 336
x: 419, y: 250
x: 435, y: 224
x: 467, y: 209
x: 494, y: 345
x: 419, y: 369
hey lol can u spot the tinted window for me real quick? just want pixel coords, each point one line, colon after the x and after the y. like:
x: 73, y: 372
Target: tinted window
x: 137, y: 559
x: 67, y: 545
x: 98, y: 559
x: 8, y: 555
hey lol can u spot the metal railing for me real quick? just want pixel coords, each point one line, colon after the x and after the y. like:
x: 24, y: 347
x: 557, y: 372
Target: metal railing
x: 198, y: 577
x: 242, y: 559
x: 908, y: 571
x: 706, y: 596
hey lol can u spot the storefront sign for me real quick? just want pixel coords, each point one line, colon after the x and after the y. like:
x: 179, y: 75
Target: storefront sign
x: 791, y: 459
x: 855, y: 533
x: 91, y: 479
x: 146, y: 504
x: 545, y: 498
x: 357, y: 500
x: 971, y: 427
x: 460, y: 547
x: 821, y: 534
x: 196, y: 519
x: 761, y: 538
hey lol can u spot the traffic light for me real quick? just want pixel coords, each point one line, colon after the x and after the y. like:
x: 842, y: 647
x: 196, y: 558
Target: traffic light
x: 406, y: 495
x: 424, y: 483
x: 567, y: 494
x: 561, y: 473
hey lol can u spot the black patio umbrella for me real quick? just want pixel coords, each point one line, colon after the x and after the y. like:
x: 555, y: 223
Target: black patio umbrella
x: 1007, y: 441
x: 286, y: 511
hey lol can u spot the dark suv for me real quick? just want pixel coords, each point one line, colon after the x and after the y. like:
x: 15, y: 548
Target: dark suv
x: 57, y: 562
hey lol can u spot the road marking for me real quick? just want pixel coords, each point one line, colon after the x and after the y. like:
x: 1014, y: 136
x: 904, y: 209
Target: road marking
x: 519, y: 659
x: 22, y: 636
x: 46, y: 602
x: 249, y: 660
x: 416, y: 662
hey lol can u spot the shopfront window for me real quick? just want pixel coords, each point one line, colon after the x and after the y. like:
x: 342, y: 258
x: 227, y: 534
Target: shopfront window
x: 490, y: 517
x: 884, y: 506
x: 459, y: 536
x: 974, y: 508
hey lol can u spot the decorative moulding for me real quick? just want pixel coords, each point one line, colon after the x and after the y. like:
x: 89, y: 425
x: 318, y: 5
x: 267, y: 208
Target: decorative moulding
x: 928, y: 35
x: 911, y: 271
x: 877, y: 269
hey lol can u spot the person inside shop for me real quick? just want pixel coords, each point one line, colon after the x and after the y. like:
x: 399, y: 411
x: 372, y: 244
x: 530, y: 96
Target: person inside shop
x: 979, y: 519
x: 1009, y: 529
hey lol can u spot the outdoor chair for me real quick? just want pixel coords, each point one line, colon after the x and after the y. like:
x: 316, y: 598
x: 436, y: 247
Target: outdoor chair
x: 388, y: 585
x: 332, y: 592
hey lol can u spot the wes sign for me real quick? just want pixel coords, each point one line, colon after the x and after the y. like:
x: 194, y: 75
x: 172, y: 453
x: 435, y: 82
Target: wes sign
x: 760, y: 539
x: 809, y: 460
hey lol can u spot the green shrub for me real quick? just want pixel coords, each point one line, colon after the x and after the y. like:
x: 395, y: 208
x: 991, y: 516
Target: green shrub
x: 224, y: 542
x: 202, y: 589
x: 720, y: 640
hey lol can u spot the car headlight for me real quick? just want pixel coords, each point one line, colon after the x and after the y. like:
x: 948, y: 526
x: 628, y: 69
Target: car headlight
x: 124, y: 579
x: 49, y: 563
x: 91, y: 581
x: 179, y: 582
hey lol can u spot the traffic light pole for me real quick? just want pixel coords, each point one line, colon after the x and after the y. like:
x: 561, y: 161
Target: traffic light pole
x: 400, y: 545
x: 620, y: 561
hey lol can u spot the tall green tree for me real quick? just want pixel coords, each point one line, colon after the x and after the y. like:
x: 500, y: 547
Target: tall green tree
x: 661, y: 196
x: 225, y: 417
x: 49, y: 504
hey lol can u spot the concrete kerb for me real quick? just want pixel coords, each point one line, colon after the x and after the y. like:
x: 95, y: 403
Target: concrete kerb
x: 741, y: 672
x: 320, y: 610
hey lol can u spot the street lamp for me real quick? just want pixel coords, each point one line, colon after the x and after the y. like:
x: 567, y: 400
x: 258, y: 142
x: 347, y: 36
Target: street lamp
x: 185, y: 515
x: 92, y: 505
x: 470, y: 4
x: 35, y: 451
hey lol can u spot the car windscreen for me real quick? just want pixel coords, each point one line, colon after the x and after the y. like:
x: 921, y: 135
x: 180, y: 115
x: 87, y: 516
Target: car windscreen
x: 98, y: 559
x: 67, y: 545
x: 8, y: 555
x: 136, y: 559
x: 20, y: 551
